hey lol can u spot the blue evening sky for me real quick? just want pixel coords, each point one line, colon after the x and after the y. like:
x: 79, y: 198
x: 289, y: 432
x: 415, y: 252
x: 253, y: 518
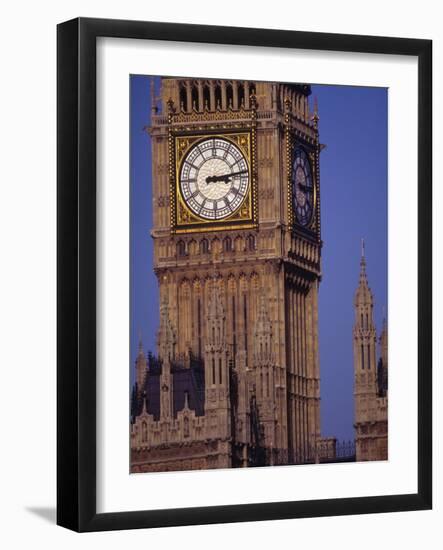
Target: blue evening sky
x: 353, y: 166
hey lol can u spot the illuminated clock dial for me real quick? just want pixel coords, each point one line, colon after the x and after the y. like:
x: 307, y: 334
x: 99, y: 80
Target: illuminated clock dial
x: 214, y: 178
x: 302, y: 188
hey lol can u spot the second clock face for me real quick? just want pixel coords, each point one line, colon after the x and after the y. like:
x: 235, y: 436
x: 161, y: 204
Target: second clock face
x: 214, y: 178
x: 302, y: 188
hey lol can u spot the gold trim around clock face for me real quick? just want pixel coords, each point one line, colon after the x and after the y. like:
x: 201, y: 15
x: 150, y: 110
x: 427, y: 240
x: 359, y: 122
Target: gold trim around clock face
x: 183, y: 219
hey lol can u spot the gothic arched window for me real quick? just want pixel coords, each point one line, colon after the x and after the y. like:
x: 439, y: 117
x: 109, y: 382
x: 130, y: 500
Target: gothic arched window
x: 218, y: 99
x: 251, y: 242
x: 229, y: 95
x: 227, y: 244
x: 241, y: 95
x: 182, y: 98
x: 144, y: 432
x: 206, y: 98
x: 204, y: 246
x: 181, y: 248
x: 194, y: 95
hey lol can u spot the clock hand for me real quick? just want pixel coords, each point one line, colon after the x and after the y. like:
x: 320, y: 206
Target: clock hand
x: 224, y: 177
x: 303, y: 186
x: 232, y: 174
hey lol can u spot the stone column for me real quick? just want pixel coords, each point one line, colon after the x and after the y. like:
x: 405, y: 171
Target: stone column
x: 200, y: 96
x: 188, y: 96
x: 234, y: 94
x: 246, y: 94
x: 166, y: 391
x: 223, y: 95
x: 211, y: 95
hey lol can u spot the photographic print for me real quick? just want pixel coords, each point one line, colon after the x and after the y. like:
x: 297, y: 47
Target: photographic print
x: 259, y: 329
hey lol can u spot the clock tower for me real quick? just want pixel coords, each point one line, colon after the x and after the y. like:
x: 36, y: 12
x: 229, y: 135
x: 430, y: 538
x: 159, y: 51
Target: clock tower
x: 236, y: 231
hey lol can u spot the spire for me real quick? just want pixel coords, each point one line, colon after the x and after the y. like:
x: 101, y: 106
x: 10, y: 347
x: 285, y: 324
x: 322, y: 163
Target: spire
x: 186, y: 405
x: 315, y: 117
x: 141, y: 353
x: 145, y: 404
x: 362, y: 260
x: 363, y: 294
x: 365, y: 335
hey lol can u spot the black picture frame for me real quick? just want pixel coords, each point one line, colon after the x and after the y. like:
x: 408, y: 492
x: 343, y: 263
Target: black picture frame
x: 76, y: 265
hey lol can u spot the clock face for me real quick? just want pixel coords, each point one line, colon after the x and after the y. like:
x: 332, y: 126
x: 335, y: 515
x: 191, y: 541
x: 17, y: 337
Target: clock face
x: 214, y: 178
x: 302, y: 188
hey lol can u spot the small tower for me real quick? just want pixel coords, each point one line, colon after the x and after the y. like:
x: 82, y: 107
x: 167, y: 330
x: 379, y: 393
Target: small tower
x: 217, y: 398
x: 166, y: 347
x: 365, y: 336
x: 264, y: 361
x: 370, y: 410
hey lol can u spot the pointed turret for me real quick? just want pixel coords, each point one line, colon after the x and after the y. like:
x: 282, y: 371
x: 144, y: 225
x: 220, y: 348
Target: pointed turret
x: 264, y: 372
x: 166, y: 349
x: 363, y: 299
x: 166, y: 333
x: 186, y: 405
x: 315, y: 118
x: 364, y: 326
x: 145, y: 405
x: 217, y: 398
x: 370, y: 378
